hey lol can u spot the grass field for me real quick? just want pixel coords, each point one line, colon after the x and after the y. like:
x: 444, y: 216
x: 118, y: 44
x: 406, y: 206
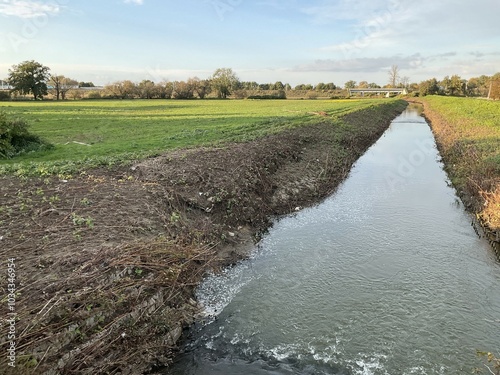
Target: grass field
x: 93, y: 133
x: 468, y: 132
x: 474, y: 124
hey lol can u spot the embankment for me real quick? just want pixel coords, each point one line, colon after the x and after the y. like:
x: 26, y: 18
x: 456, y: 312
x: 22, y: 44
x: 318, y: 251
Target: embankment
x: 106, y: 263
x: 467, y: 133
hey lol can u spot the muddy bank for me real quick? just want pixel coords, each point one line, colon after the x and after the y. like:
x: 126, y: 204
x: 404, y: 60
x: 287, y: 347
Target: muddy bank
x: 106, y: 262
x: 477, y: 184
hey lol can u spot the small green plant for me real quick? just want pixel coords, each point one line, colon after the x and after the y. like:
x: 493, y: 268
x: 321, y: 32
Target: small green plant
x: 54, y: 199
x: 175, y: 217
x: 138, y: 272
x: 85, y: 202
x: 27, y: 361
x: 77, y: 235
x: 15, y: 139
x: 81, y: 220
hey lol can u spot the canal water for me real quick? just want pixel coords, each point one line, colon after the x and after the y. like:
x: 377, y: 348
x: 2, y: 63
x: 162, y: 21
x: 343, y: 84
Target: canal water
x: 386, y: 276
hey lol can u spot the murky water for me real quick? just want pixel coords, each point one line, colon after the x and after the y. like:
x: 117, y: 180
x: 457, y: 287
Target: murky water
x: 386, y: 276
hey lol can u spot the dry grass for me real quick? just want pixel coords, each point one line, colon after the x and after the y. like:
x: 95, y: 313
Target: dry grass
x: 468, y: 135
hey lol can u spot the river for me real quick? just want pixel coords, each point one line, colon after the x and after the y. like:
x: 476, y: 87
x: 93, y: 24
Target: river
x: 386, y: 276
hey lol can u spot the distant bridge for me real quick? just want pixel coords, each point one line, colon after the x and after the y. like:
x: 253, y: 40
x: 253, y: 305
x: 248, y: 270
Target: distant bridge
x: 387, y: 92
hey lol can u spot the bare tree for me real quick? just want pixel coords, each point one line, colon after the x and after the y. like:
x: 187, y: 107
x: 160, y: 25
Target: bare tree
x: 122, y: 89
x: 405, y: 82
x: 146, y: 89
x: 55, y: 82
x: 61, y: 85
x: 66, y: 85
x: 393, y: 76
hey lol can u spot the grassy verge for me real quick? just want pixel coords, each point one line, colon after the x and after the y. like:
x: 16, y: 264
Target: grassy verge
x: 468, y: 135
x: 89, y: 134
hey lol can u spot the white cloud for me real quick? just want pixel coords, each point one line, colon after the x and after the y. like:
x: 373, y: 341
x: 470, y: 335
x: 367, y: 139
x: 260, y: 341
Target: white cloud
x: 402, y: 26
x: 137, y: 2
x: 27, y: 8
x: 363, y: 64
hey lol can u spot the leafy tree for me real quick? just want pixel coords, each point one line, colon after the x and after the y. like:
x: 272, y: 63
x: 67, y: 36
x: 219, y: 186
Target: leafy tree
x: 224, y: 80
x: 287, y: 87
x: 164, y: 90
x: 350, y: 84
x: 85, y: 84
x: 363, y: 85
x: 457, y: 85
x: 320, y: 87
x: 249, y: 85
x: 429, y: 87
x: 483, y: 85
x: 279, y: 86
x: 29, y: 77
x: 373, y: 85
x: 330, y: 86
x: 146, y: 89
x: 445, y: 85
x: 201, y: 87
x: 393, y: 76
x: 183, y: 90
x: 453, y: 86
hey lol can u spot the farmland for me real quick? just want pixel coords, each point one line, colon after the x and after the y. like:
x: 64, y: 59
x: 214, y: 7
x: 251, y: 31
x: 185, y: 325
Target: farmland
x: 94, y: 133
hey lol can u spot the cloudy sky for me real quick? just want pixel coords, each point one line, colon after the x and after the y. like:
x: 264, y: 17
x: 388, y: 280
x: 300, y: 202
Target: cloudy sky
x: 294, y: 41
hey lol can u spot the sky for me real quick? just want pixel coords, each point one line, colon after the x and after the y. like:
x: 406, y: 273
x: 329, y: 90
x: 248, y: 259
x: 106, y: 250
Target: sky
x: 292, y: 41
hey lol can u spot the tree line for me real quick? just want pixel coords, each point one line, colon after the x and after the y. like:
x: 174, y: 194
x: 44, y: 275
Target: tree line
x: 33, y: 78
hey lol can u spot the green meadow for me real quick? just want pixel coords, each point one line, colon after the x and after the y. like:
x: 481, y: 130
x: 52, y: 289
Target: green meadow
x: 95, y: 133
x: 468, y: 131
x: 474, y: 123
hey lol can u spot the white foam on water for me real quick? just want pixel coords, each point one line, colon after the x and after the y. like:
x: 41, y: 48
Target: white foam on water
x: 370, y: 365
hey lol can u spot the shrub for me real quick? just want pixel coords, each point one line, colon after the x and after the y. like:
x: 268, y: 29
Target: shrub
x: 312, y: 95
x: 272, y: 94
x: 4, y: 95
x: 15, y: 139
x: 94, y: 95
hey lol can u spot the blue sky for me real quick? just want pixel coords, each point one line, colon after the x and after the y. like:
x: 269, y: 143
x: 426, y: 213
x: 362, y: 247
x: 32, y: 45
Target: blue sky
x: 294, y: 41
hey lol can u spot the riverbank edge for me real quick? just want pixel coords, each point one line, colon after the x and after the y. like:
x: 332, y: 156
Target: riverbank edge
x: 107, y: 271
x: 472, y: 195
